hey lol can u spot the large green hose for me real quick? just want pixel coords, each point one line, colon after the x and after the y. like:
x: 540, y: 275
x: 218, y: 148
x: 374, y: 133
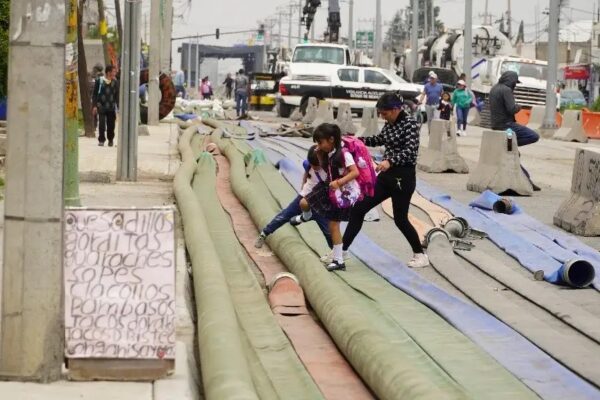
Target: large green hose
x: 277, y: 357
x: 388, y: 366
x: 225, y: 371
x: 479, y: 374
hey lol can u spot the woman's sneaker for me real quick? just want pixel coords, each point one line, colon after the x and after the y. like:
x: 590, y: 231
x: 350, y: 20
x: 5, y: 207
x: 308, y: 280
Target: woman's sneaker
x: 328, y: 258
x: 420, y: 260
x: 336, y: 266
x: 297, y: 220
x: 260, y: 240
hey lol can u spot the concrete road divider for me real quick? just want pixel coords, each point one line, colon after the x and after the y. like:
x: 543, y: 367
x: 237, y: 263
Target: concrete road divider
x: 344, y: 119
x: 311, y: 111
x: 324, y: 114
x: 499, y: 167
x: 536, y: 118
x: 442, y: 154
x: 572, y: 127
x: 580, y: 213
x: 368, y: 124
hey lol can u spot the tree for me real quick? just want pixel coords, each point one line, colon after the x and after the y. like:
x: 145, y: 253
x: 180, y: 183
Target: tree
x: 4, y: 23
x: 119, y: 20
x: 82, y: 69
x: 103, y: 29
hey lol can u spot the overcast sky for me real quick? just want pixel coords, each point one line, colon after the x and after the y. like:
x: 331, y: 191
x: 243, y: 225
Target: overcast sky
x: 205, y: 16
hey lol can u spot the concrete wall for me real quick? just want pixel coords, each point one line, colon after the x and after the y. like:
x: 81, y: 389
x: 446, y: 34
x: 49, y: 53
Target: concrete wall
x: 541, y: 52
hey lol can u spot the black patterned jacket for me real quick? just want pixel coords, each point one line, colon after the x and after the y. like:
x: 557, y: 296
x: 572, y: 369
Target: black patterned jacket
x: 106, y: 96
x: 401, y: 141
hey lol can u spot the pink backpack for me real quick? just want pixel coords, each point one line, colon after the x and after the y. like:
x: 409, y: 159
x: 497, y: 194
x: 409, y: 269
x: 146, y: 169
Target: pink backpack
x: 362, y: 158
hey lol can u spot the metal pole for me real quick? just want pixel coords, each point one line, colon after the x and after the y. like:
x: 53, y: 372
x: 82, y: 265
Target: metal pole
x: 468, y: 60
x: 378, y: 41
x: 425, y: 21
x: 189, y: 69
x: 299, y: 21
x: 414, y: 37
x: 197, y: 68
x: 432, y: 16
x: 130, y: 77
x: 279, y: 41
x: 32, y: 330
x: 351, y: 25
x: 290, y: 19
x: 154, y: 67
x: 550, y: 114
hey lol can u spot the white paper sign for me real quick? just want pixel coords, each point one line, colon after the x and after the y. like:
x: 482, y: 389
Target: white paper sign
x: 119, y: 283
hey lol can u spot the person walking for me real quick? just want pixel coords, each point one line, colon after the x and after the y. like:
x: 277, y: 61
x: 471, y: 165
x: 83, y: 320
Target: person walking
x: 462, y: 100
x: 228, y: 82
x: 503, y: 108
x: 106, y: 102
x: 397, y: 176
x: 206, y: 88
x: 241, y: 93
x: 433, y: 93
x: 179, y: 82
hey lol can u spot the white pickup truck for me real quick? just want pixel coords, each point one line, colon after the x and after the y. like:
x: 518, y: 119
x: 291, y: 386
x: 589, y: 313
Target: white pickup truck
x: 325, y: 71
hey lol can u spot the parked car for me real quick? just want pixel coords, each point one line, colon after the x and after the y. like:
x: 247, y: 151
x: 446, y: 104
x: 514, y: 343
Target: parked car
x: 572, y: 99
x: 361, y: 87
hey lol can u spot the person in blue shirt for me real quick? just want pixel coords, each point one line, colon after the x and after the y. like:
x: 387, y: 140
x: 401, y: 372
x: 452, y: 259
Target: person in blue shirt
x: 433, y: 93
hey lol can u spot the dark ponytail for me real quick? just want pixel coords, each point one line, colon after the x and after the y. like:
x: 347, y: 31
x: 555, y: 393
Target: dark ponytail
x: 325, y: 132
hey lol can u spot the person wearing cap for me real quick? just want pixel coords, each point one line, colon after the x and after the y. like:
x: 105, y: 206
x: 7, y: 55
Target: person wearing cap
x: 397, y: 176
x: 461, y: 100
x: 433, y: 93
x: 503, y: 108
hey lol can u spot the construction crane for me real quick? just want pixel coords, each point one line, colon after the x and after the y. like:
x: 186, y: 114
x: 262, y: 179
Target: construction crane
x: 333, y: 20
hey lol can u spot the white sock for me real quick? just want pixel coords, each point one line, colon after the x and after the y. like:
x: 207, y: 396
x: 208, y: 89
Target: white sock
x: 338, y: 253
x: 307, y: 215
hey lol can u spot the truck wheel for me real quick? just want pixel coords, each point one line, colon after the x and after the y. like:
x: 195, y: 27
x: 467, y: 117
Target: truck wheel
x: 283, y: 110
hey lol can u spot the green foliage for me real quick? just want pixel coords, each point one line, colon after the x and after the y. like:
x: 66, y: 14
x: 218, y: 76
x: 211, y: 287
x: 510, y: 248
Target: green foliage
x: 4, y: 22
x: 596, y: 105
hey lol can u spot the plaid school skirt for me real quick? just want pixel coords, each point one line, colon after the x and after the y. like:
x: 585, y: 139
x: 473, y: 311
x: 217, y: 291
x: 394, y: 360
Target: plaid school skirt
x: 318, y: 200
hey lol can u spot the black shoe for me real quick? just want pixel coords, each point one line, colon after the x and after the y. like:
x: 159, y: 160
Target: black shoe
x: 110, y: 143
x: 336, y: 266
x: 297, y: 220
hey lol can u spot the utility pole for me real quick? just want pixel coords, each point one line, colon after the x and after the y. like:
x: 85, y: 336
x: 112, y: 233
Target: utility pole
x: 290, y: 20
x: 189, y: 69
x: 154, y: 67
x: 351, y: 25
x: 299, y: 21
x: 32, y: 329
x: 425, y: 22
x: 279, y: 41
x: 167, y: 33
x: 509, y: 21
x: 414, y: 37
x: 432, y: 17
x: 550, y: 114
x: 196, y: 79
x: 468, y: 57
x: 71, y: 161
x: 130, y: 78
x: 378, y: 41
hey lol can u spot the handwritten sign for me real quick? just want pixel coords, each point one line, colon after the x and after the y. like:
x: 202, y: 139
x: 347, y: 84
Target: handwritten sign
x: 120, y: 283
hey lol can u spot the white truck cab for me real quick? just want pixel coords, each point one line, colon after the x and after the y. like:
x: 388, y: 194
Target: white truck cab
x: 324, y: 71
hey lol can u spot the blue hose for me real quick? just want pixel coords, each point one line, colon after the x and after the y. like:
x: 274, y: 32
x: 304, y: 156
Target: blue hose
x: 541, y: 373
x: 576, y: 270
x: 528, y: 255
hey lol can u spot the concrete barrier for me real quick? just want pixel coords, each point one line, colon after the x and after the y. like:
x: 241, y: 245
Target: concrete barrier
x: 344, y: 119
x: 572, y: 127
x: 442, y: 154
x: 580, y: 213
x: 368, y: 123
x: 311, y: 111
x: 536, y: 118
x: 324, y: 114
x: 498, y: 168
x: 296, y: 114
